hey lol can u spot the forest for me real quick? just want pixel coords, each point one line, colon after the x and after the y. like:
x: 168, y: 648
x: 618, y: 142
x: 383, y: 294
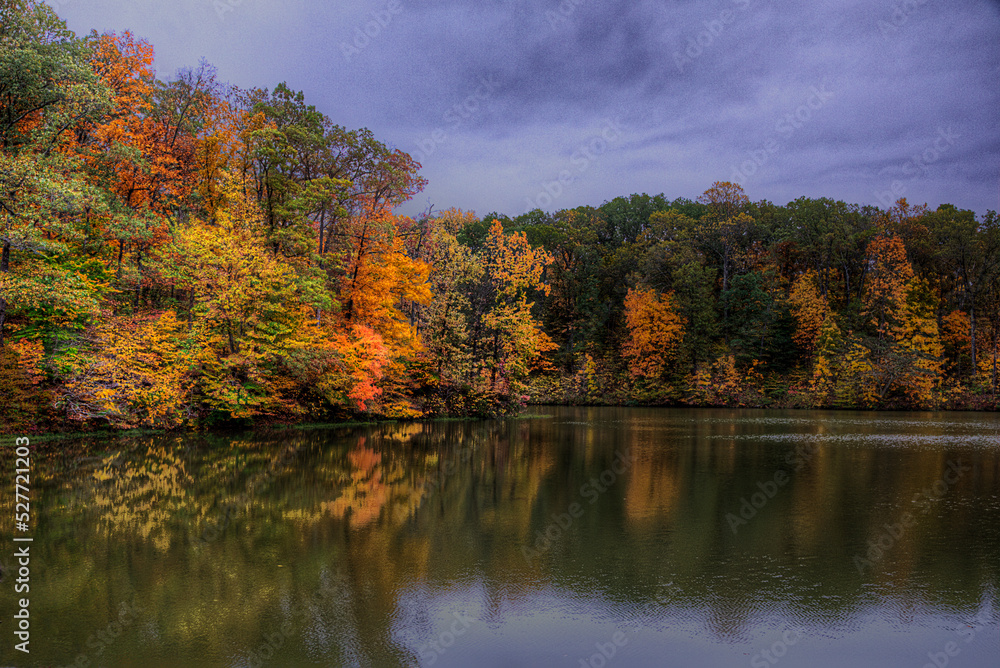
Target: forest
x: 180, y: 253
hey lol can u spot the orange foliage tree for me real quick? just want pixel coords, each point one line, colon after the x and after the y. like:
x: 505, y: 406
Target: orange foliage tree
x: 809, y: 308
x: 655, y: 331
x: 885, y: 292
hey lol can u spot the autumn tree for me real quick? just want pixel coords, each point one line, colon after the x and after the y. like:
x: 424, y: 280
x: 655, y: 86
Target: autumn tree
x: 131, y: 372
x: 291, y: 169
x: 968, y: 252
x: 507, y: 339
x: 654, y: 332
x: 956, y: 339
x: 47, y: 91
x: 827, y: 369
x: 130, y: 158
x: 885, y: 292
x: 444, y: 322
x: 574, y: 313
x: 809, y: 309
x: 250, y: 318
x: 920, y: 343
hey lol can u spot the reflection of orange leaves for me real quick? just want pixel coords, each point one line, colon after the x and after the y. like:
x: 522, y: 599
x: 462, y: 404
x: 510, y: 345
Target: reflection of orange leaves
x: 364, y: 459
x: 367, y: 492
x: 141, y: 496
x: 652, y: 491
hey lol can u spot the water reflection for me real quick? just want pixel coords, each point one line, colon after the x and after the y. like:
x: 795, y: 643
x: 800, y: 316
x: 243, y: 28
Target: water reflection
x: 727, y: 535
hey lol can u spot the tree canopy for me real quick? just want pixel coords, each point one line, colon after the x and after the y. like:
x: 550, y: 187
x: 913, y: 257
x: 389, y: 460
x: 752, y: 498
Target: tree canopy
x: 181, y: 252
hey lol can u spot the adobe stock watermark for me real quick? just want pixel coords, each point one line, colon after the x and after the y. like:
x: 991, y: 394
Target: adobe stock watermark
x: 431, y: 651
x: 879, y: 546
x: 607, y: 650
x: 363, y: 35
x: 918, y: 166
x: 703, y: 40
x: 455, y: 116
x: 563, y: 12
x: 99, y: 641
x: 582, y: 158
x: 773, y: 653
x: 784, y: 129
x: 900, y: 16
x: 797, y: 459
x: 299, y: 612
x: 592, y: 490
x: 951, y: 648
x: 221, y: 7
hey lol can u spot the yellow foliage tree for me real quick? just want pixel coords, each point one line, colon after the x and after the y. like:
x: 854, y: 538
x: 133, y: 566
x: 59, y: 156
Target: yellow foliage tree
x: 856, y: 384
x: 21, y: 378
x: 250, y: 313
x: 828, y: 357
x: 920, y: 342
x: 515, y: 340
x: 135, y: 373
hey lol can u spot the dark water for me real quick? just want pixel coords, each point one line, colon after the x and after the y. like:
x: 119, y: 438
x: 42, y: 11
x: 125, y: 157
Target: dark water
x: 674, y: 538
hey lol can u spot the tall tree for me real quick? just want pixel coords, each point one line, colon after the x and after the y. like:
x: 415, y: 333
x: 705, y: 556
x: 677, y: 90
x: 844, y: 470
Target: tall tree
x: 725, y: 229
x: 47, y: 92
x: 507, y: 337
x: 654, y: 332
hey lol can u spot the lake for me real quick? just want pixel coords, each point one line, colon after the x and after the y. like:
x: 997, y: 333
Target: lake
x: 576, y: 537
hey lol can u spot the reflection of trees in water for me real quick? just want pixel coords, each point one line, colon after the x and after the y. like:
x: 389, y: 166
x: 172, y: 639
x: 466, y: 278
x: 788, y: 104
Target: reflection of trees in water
x: 422, y: 511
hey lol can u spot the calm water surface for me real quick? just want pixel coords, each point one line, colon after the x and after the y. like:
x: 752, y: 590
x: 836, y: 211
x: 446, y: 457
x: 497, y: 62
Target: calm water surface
x: 584, y: 537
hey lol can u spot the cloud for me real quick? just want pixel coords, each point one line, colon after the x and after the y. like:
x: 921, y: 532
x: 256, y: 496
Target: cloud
x: 699, y: 85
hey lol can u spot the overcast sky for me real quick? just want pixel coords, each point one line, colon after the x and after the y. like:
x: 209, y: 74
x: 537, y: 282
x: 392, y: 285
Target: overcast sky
x: 511, y: 105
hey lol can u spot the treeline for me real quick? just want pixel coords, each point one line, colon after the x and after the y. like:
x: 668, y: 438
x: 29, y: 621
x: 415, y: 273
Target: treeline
x: 726, y: 302
x: 182, y: 252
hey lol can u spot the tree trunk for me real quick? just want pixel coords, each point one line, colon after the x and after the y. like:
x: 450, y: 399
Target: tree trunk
x: 138, y: 285
x: 4, y: 268
x: 322, y: 226
x: 725, y: 289
x: 972, y: 335
x: 993, y: 381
